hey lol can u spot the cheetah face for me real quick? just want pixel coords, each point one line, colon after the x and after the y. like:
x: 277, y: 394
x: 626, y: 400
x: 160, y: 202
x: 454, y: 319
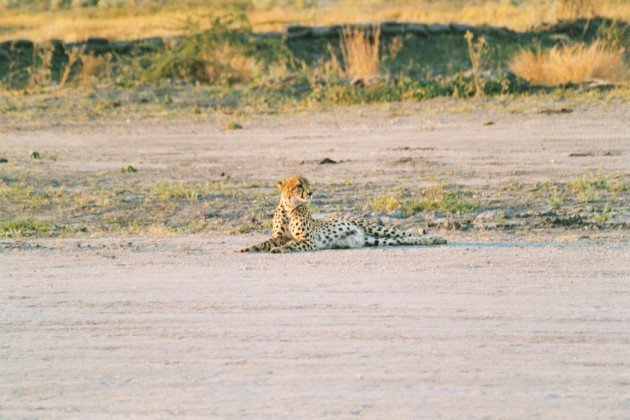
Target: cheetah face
x: 295, y: 190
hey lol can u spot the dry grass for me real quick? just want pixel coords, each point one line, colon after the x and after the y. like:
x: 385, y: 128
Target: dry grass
x: 565, y: 64
x: 574, y: 9
x: 90, y: 68
x: 143, y: 20
x: 359, y: 50
x: 478, y: 54
x: 233, y: 65
x: 73, y: 58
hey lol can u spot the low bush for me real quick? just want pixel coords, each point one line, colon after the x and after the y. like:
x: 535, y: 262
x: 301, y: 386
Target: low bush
x: 225, y: 53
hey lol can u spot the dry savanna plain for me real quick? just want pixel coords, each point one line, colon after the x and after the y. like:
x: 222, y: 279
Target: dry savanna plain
x: 122, y: 293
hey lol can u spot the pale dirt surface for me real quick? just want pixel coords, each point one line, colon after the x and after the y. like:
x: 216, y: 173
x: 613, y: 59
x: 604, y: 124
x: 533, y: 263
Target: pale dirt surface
x: 185, y: 325
x: 441, y: 141
x: 496, y: 324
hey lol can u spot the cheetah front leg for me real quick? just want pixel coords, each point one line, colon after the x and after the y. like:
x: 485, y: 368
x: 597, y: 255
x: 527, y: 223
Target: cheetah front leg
x: 279, y: 236
x: 296, y: 246
x: 267, y: 245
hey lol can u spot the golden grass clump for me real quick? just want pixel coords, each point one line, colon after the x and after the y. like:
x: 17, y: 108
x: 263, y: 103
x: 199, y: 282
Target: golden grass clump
x: 91, y: 68
x: 566, y: 64
x: 359, y: 50
x: 228, y: 64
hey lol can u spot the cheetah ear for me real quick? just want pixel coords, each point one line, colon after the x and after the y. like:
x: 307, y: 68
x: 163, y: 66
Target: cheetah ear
x: 279, y: 185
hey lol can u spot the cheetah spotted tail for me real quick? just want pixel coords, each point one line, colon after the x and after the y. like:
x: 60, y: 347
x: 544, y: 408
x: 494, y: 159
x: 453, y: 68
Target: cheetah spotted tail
x: 378, y: 231
x: 404, y: 240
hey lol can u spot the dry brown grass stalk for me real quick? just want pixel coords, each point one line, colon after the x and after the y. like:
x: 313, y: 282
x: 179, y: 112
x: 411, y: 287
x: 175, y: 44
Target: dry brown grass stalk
x: 566, y: 64
x: 359, y: 49
x: 73, y: 57
x: 478, y: 54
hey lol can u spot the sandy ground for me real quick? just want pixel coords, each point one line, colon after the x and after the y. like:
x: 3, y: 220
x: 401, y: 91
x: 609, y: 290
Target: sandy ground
x: 491, y: 325
x: 186, y: 326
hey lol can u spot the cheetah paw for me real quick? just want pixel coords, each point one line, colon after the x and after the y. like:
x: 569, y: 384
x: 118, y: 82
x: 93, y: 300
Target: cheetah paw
x: 277, y: 250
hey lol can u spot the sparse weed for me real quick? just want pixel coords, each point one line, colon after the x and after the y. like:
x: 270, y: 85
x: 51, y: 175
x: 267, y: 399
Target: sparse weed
x: 478, y: 54
x: 604, y: 215
x: 555, y: 200
x: 180, y: 191
x: 589, y: 188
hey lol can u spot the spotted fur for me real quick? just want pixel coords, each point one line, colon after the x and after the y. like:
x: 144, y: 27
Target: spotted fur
x: 295, y: 230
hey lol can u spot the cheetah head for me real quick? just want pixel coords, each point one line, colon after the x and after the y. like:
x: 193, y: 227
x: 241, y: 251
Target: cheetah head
x: 295, y: 191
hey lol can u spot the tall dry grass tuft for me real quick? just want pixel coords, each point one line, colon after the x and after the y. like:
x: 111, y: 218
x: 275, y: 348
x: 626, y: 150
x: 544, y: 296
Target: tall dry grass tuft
x: 566, y: 64
x: 359, y: 50
x: 84, y: 69
x: 93, y: 67
x: 223, y: 64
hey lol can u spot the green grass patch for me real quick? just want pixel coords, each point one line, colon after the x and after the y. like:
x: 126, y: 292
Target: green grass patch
x: 28, y: 227
x: 447, y: 198
x: 590, y: 188
x: 603, y: 215
x: 165, y: 191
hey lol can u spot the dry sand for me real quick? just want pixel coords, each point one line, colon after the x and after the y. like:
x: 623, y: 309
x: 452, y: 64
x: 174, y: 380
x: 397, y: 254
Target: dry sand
x: 185, y: 325
x: 490, y: 325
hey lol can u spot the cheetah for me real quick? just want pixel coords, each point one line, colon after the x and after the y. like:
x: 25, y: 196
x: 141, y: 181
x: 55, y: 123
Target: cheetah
x: 295, y: 230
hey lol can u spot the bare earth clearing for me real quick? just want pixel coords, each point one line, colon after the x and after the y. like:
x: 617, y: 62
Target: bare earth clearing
x: 501, y: 322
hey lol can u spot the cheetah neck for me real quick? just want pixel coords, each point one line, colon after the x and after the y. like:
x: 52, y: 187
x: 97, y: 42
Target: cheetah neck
x: 301, y: 210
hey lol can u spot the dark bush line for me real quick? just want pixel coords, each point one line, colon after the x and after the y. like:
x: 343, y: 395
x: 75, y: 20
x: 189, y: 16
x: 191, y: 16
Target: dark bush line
x: 95, y: 45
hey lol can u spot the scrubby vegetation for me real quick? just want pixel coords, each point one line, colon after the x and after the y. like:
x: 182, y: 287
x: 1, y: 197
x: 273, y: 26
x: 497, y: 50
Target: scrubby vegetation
x: 241, y: 70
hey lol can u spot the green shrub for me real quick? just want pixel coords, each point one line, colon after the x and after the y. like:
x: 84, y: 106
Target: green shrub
x: 84, y: 3
x: 226, y: 53
x: 10, y: 4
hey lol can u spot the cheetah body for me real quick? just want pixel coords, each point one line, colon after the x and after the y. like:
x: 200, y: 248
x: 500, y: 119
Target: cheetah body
x: 295, y: 230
